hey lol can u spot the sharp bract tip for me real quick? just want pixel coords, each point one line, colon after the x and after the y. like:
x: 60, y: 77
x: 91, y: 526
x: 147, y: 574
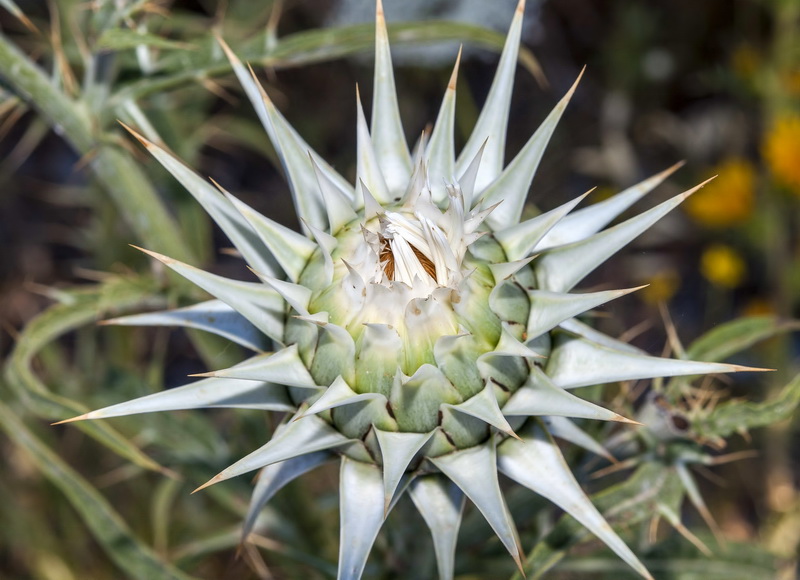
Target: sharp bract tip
x: 209, y: 483
x: 72, y: 420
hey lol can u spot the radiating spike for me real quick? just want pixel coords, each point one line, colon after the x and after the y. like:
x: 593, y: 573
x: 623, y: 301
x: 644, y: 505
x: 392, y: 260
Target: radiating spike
x: 284, y: 367
x: 419, y: 179
x: 477, y: 217
x: 440, y: 155
x: 588, y: 221
x: 493, y: 119
x: 577, y: 362
x: 257, y: 303
x: 291, y: 148
x: 211, y: 316
x: 204, y: 394
x: 326, y: 241
x: 296, y: 295
x: 469, y: 178
x: 563, y: 267
x: 441, y: 504
x: 360, y: 515
x: 539, y: 396
x: 418, y: 152
x: 337, y: 394
x: 391, y: 147
x: 564, y: 428
x: 273, y: 478
x: 549, y: 309
x: 368, y: 168
x: 371, y: 206
x: 220, y: 209
x: 483, y: 490
x: 518, y: 241
x: 397, y: 451
x: 291, y: 250
x: 296, y: 439
x: 515, y: 182
x: 338, y: 206
x: 484, y: 406
x: 537, y: 463
x: 504, y: 270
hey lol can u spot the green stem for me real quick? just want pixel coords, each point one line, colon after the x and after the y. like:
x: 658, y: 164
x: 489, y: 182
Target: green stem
x: 131, y: 555
x: 310, y: 47
x: 119, y: 176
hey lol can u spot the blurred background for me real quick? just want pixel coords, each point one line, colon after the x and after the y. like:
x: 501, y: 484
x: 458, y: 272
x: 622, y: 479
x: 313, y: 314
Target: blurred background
x: 715, y: 84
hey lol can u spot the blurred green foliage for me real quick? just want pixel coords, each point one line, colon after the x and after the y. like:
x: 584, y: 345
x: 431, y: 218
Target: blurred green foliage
x: 100, y: 499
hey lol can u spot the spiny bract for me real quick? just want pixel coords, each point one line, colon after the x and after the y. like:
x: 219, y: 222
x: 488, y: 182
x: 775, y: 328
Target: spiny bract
x: 416, y: 329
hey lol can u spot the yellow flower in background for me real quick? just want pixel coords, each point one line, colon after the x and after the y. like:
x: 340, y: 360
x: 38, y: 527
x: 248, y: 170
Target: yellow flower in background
x: 781, y: 151
x: 722, y: 266
x: 662, y: 286
x: 758, y: 306
x: 729, y: 199
x: 791, y: 82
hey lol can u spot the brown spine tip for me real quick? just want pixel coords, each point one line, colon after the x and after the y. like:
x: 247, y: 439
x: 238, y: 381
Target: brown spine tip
x: 262, y: 92
x: 520, y: 7
x: 574, y: 86
x: 139, y: 137
x: 634, y: 289
x: 673, y: 168
x: 210, y: 482
x: 73, y: 419
x: 225, y: 47
x: 743, y: 369
x: 218, y: 186
x: 160, y: 257
x: 697, y: 187
x: 620, y: 419
x: 235, y: 61
x: 662, y: 175
x: 204, y: 375
x: 510, y: 433
x: 586, y: 194
x: 451, y: 85
x: 518, y: 562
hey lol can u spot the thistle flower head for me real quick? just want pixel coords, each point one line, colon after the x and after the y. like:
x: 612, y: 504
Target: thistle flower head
x: 416, y: 330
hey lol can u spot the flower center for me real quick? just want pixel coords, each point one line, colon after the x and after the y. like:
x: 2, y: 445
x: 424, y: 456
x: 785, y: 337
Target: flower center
x: 409, y: 247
